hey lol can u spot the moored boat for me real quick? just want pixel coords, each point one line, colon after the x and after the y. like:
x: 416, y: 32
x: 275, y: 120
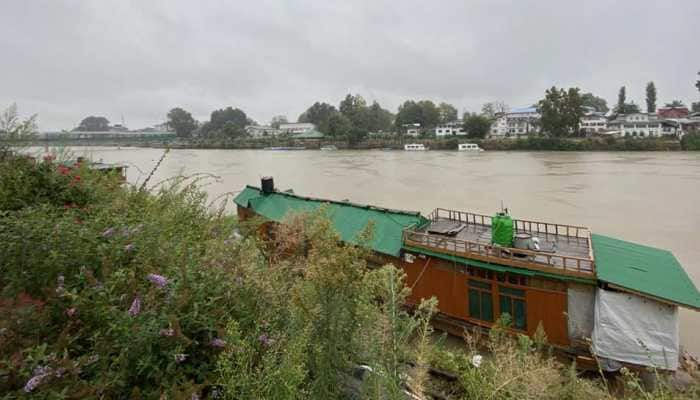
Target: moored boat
x: 415, y: 147
x: 285, y: 148
x: 473, y: 147
x: 591, y: 294
x: 329, y: 147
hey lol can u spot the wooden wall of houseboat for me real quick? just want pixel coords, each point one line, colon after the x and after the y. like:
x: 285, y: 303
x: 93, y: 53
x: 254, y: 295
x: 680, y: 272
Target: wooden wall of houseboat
x: 546, y: 300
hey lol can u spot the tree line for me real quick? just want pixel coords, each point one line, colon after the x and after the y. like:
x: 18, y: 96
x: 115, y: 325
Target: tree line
x: 353, y: 119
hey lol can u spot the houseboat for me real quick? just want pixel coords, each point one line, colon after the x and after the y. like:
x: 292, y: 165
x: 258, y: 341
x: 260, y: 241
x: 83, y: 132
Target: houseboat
x: 414, y: 147
x: 469, y: 147
x: 596, y: 297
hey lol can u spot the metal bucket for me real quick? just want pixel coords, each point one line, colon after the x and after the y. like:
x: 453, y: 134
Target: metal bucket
x: 522, y: 240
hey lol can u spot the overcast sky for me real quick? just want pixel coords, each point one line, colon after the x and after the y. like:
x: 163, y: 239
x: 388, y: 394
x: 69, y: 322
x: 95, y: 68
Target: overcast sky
x: 65, y: 60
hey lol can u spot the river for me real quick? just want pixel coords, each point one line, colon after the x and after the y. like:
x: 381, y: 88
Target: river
x: 650, y: 198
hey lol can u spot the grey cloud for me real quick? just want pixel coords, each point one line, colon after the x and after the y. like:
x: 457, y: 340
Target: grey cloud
x: 68, y: 59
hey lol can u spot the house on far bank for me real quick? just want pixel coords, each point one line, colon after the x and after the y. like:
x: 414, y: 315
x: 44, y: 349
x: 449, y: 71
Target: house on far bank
x: 310, y: 134
x: 412, y: 129
x: 296, y: 127
x: 518, y: 122
x: 258, y: 131
x: 454, y: 128
x: 673, y: 112
x: 594, y: 122
x: 641, y: 125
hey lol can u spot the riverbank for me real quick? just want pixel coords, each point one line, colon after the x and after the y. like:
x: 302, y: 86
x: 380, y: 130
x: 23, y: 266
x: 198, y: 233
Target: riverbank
x: 690, y: 142
x: 112, y: 291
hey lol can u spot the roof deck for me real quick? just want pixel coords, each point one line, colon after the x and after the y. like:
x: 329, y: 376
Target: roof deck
x: 564, y: 249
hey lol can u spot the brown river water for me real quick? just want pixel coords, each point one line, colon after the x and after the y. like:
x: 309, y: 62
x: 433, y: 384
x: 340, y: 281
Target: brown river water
x: 650, y: 198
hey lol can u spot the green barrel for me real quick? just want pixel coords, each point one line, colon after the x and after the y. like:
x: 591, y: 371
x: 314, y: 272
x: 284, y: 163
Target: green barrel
x: 502, y: 230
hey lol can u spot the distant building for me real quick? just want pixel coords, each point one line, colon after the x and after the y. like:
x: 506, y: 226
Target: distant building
x: 118, y: 128
x: 594, y: 122
x: 297, y: 127
x: 516, y: 122
x: 258, y: 131
x: 673, y: 112
x: 454, y: 128
x: 412, y: 129
x: 311, y: 134
x: 640, y: 125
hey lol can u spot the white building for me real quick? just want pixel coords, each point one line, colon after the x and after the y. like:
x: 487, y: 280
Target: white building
x: 412, y: 129
x: 517, y: 122
x: 261, y: 131
x: 296, y: 127
x: 594, y: 122
x: 639, y: 125
x: 453, y: 128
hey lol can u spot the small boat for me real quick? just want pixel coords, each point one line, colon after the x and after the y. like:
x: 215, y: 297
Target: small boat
x: 285, y: 148
x: 415, y: 147
x: 469, y: 147
x: 330, y: 147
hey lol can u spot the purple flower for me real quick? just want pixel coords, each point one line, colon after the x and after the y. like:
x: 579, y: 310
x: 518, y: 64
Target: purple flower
x: 180, y: 357
x: 40, y: 374
x: 129, y: 247
x: 71, y: 311
x: 135, y: 308
x: 217, y: 342
x: 158, y: 280
x: 167, y: 332
x: 33, y: 383
x: 108, y: 233
x: 265, y: 340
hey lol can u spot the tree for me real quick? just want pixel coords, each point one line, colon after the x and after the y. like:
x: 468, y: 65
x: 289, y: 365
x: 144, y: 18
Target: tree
x: 448, y: 113
x: 597, y: 103
x: 630, y: 108
x: 181, y: 121
x: 338, y: 125
x: 621, y: 100
x: 697, y: 83
x: 423, y: 112
x: 561, y: 111
x: 278, y: 120
x: 318, y: 114
x: 477, y: 126
x: 13, y: 130
x: 228, y: 122
x: 695, y: 107
x: 355, y: 109
x: 380, y: 120
x: 493, y: 108
x: 651, y: 97
x: 93, y: 124
x: 675, y: 103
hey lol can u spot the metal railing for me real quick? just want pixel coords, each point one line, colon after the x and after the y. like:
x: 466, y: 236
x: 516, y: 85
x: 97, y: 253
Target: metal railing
x: 501, y: 255
x: 520, y: 225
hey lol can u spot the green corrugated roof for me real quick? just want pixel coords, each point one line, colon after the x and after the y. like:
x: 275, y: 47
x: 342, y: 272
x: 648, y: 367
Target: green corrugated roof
x: 498, y: 267
x: 643, y: 269
x: 348, y: 219
x: 310, y: 134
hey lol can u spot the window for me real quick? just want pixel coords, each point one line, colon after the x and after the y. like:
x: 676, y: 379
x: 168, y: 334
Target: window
x: 480, y: 300
x: 512, y: 301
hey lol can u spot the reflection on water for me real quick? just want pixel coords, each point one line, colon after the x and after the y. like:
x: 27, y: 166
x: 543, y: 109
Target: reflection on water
x: 651, y: 198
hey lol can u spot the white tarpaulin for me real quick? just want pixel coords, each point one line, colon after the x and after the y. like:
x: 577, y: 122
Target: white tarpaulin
x: 635, y: 330
x: 580, y: 311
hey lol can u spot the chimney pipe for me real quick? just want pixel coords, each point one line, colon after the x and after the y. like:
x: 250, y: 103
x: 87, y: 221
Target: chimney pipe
x: 267, y: 184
